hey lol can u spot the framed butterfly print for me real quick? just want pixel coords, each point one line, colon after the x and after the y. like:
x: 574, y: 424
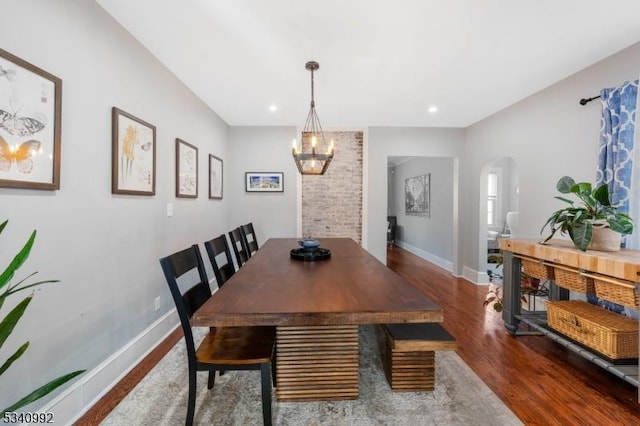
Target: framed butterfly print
x: 30, y: 125
x: 186, y: 170
x: 133, y: 155
x: 215, y: 177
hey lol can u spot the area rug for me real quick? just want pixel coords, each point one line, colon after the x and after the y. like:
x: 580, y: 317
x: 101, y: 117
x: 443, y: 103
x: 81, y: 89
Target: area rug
x: 459, y: 398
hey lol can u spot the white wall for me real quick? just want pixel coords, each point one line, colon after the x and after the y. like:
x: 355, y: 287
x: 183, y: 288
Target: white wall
x: 103, y: 248
x: 548, y: 135
x: 429, y: 237
x: 262, y: 149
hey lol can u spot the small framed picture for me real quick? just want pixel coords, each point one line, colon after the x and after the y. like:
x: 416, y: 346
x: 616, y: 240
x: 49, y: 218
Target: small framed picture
x: 186, y: 170
x: 133, y: 155
x: 215, y: 177
x: 30, y: 125
x: 264, y: 182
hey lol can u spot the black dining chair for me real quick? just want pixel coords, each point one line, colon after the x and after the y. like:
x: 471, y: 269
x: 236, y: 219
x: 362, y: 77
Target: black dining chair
x: 239, y: 246
x: 250, y: 240
x: 223, y: 348
x: 220, y: 257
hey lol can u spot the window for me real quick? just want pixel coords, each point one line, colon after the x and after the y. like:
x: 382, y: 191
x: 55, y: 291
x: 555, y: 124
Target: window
x: 492, y: 199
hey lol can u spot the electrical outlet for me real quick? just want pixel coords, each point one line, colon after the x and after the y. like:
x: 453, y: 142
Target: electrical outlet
x: 169, y: 209
x: 157, y: 303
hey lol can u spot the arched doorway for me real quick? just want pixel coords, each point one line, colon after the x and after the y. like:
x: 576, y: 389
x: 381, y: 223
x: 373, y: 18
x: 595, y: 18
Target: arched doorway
x: 499, y: 204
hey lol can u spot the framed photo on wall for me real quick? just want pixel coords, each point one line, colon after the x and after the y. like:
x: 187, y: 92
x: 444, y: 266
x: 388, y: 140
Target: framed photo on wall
x: 133, y: 155
x: 264, y: 182
x: 417, y: 195
x: 30, y: 125
x: 186, y: 170
x: 215, y: 177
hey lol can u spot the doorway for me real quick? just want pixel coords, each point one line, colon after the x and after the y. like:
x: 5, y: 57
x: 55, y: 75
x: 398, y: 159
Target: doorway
x: 499, y: 203
x: 427, y: 228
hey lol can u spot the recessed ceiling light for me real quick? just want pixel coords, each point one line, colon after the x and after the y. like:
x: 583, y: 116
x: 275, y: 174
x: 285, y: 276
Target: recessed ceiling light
x: 273, y: 108
x: 433, y: 109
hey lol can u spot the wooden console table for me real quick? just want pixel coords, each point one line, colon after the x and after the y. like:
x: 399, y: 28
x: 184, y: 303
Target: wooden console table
x: 624, y: 264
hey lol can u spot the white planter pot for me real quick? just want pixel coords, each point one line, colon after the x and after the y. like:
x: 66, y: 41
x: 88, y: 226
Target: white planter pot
x: 604, y: 239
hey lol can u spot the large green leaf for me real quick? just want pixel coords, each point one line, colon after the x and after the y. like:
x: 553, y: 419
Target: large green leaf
x: 17, y: 261
x: 10, y: 321
x: 565, y: 184
x: 621, y: 224
x: 581, y: 234
x: 601, y: 195
x: 582, y: 188
x: 2, y: 225
x: 13, y: 357
x: 41, y: 391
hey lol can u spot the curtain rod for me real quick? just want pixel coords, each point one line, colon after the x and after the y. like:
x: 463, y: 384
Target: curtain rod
x: 585, y: 101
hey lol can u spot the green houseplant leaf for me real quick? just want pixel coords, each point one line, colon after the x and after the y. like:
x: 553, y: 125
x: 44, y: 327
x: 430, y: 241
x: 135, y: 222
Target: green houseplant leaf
x: 18, y: 260
x: 9, y: 322
x: 565, y: 184
x: 581, y: 234
x: 13, y: 357
x: 41, y: 391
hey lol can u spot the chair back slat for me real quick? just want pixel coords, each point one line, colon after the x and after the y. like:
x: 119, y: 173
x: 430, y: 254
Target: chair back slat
x: 195, y: 297
x: 250, y: 240
x: 182, y: 262
x: 223, y: 269
x: 175, y: 266
x: 239, y: 246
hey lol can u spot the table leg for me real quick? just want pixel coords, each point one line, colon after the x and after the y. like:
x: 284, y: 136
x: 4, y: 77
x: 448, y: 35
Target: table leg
x: 510, y: 291
x: 317, y: 362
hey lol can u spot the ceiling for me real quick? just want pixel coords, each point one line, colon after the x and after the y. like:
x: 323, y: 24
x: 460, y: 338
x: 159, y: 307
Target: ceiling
x: 382, y: 63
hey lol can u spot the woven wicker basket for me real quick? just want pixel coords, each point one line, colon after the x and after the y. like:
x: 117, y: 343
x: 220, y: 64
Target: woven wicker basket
x: 615, y: 290
x: 536, y: 268
x: 613, y: 335
x: 572, y: 279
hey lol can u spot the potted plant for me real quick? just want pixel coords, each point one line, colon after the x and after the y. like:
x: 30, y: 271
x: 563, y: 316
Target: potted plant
x: 591, y: 214
x: 10, y: 320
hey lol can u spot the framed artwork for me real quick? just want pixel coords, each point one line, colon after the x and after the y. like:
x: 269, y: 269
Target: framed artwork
x: 186, y: 170
x: 215, y: 177
x: 416, y: 195
x: 30, y: 125
x: 264, y: 182
x: 133, y: 155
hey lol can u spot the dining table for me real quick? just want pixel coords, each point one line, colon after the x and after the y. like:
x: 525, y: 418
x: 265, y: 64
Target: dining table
x: 316, y: 307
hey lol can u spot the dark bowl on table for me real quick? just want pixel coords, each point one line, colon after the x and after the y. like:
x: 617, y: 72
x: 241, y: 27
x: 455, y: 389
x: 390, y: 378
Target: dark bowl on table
x: 309, y: 244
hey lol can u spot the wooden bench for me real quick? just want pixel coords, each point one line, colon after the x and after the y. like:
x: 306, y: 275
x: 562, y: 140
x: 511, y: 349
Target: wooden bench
x: 408, y: 356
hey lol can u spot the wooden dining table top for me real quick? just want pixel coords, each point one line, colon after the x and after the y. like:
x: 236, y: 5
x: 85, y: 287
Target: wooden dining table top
x: 351, y: 287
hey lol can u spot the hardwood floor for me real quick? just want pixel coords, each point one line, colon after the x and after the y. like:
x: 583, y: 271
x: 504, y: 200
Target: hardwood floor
x: 539, y: 380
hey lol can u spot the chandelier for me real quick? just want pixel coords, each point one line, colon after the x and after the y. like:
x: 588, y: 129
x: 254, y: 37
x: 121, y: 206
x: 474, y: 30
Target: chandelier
x: 305, y: 154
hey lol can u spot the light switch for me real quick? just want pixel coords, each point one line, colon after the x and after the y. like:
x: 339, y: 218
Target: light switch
x: 169, y: 209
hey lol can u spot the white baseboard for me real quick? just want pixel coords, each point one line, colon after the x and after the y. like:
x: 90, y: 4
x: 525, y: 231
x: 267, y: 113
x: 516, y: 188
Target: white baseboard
x: 476, y: 277
x: 71, y: 404
x: 443, y: 263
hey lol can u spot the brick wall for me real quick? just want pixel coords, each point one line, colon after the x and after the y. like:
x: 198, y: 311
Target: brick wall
x: 332, y: 203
